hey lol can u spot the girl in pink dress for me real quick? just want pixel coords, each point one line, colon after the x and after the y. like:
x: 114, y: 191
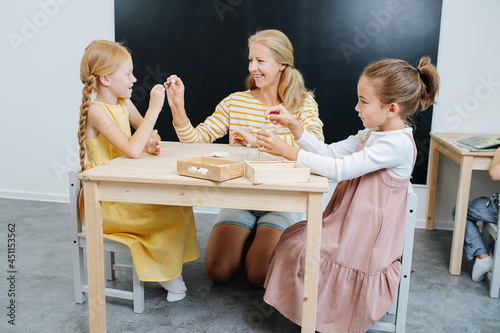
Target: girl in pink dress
x: 363, y: 225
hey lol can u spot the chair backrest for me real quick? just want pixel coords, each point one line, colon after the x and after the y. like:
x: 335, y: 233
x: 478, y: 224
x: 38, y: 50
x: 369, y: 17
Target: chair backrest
x: 74, y: 192
x: 411, y: 215
x: 400, y: 306
x: 404, y: 283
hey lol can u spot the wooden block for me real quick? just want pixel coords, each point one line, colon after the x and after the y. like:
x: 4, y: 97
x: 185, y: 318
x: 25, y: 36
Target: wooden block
x: 272, y: 172
x: 210, y: 168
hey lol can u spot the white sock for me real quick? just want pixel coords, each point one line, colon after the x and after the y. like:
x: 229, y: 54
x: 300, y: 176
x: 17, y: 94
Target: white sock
x: 481, y: 267
x: 176, y: 289
x: 174, y: 297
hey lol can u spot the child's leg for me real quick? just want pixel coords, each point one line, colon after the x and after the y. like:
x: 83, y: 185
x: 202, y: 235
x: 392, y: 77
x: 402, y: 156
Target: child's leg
x: 479, y: 209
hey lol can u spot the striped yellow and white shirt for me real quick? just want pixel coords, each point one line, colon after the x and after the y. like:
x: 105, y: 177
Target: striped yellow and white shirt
x: 242, y: 110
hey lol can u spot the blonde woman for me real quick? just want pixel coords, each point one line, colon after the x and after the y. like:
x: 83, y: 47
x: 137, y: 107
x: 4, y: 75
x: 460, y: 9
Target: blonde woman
x: 245, y: 239
x: 161, y: 238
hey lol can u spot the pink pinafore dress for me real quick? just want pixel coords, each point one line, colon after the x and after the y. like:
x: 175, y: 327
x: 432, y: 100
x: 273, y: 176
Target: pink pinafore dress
x: 360, y: 260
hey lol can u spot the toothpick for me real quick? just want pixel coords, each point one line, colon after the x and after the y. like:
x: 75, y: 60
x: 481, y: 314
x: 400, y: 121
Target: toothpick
x: 248, y: 151
x: 262, y: 128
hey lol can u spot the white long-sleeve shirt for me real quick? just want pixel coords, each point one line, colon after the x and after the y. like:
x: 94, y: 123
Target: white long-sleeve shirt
x: 391, y: 150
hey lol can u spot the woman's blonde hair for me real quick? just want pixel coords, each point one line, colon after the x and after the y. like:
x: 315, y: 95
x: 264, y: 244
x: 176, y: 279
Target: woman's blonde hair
x: 291, y: 89
x: 101, y: 57
x: 395, y: 81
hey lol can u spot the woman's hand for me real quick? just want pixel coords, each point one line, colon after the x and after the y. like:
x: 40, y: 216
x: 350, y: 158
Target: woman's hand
x: 280, y: 115
x: 157, y: 98
x: 175, y: 92
x: 153, y: 146
x: 247, y: 137
x: 270, y: 143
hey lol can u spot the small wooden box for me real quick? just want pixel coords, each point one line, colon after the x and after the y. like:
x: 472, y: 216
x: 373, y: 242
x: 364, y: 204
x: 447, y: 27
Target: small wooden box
x: 210, y: 168
x: 272, y: 172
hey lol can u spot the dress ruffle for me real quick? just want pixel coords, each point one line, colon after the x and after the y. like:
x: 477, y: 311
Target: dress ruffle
x: 339, y: 286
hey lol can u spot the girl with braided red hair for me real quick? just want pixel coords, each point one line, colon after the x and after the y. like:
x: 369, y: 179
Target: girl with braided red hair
x: 161, y: 238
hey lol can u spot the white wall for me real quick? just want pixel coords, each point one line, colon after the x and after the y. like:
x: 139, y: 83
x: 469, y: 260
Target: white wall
x: 41, y: 47
x: 41, y: 91
x: 469, y: 65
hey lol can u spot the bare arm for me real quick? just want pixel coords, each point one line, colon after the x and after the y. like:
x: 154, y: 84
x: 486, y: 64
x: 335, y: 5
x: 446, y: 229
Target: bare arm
x: 132, y: 147
x: 175, y: 96
x: 153, y: 145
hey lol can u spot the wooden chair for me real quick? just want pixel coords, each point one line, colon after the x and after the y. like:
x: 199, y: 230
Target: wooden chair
x: 110, y: 247
x: 400, y: 306
x: 490, y: 233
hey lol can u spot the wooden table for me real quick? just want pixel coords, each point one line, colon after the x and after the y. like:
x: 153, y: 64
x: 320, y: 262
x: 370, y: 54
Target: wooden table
x: 468, y: 161
x: 154, y: 179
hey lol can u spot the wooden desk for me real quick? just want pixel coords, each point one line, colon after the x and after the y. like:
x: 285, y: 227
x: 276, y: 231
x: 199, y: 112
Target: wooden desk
x: 154, y: 179
x: 468, y: 161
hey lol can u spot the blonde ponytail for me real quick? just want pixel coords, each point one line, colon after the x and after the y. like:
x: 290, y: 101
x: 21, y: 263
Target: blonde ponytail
x: 429, y: 79
x: 395, y: 81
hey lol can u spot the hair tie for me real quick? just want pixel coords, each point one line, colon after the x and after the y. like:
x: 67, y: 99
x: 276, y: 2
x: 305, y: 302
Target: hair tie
x: 419, y: 72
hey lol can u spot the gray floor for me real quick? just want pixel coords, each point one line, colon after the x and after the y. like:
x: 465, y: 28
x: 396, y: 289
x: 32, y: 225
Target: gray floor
x: 439, y: 302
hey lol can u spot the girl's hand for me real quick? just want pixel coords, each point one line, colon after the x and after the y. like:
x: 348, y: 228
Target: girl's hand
x: 270, y: 143
x: 279, y: 115
x: 248, y: 138
x: 153, y: 146
x: 157, y: 98
x: 175, y: 92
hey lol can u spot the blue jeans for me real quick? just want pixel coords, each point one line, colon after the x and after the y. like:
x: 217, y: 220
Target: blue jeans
x: 480, y: 209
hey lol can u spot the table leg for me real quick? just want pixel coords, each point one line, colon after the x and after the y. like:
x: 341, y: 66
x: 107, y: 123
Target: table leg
x: 95, y: 260
x: 433, y: 175
x: 457, y: 242
x: 311, y: 271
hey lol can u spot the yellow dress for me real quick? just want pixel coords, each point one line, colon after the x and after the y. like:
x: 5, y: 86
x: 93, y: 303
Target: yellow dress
x: 161, y: 238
